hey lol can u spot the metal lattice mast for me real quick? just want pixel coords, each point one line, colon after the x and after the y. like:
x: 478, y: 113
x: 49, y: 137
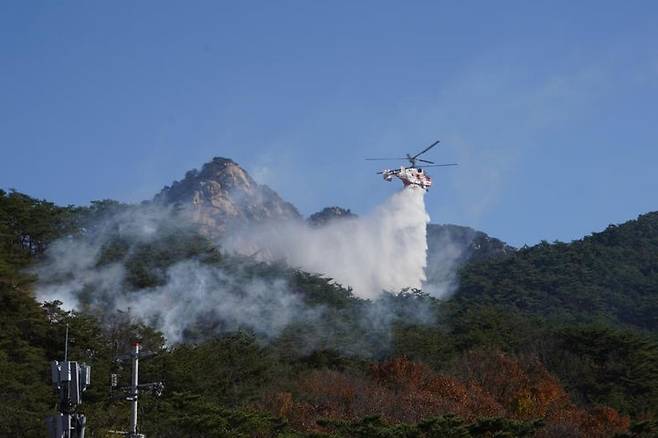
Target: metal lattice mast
x: 70, y: 379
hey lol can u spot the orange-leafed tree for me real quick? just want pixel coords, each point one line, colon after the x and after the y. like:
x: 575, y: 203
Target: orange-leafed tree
x: 484, y: 384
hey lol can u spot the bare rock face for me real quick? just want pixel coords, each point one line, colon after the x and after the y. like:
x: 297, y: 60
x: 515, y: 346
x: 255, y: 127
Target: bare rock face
x: 223, y: 194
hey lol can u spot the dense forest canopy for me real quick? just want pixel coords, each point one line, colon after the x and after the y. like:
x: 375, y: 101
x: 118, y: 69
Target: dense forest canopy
x: 553, y: 340
x: 611, y: 276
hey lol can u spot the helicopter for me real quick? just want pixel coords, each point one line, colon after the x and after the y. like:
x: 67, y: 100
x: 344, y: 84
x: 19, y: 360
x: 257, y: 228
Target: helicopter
x: 412, y: 175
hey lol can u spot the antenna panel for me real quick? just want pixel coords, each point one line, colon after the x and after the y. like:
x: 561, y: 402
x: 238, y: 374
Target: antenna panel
x: 85, y: 376
x: 64, y: 371
x: 74, y: 386
x: 54, y: 371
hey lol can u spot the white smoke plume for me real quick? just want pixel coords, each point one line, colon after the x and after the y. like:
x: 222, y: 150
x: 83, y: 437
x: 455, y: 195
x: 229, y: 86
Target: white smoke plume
x: 383, y: 251
x: 216, y: 299
x: 447, y: 255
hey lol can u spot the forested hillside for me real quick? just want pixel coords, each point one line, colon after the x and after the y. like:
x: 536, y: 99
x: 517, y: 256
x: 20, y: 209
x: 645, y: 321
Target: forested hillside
x: 555, y: 340
x: 611, y: 276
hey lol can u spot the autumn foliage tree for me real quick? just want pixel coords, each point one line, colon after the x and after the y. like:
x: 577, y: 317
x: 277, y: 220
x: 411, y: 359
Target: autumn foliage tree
x: 400, y: 391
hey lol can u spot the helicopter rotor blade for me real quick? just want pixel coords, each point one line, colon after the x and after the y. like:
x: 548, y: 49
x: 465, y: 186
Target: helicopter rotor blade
x: 426, y: 161
x: 439, y: 165
x: 426, y: 149
x: 387, y: 159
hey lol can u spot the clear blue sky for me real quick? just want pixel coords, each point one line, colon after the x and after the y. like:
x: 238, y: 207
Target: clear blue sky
x: 551, y: 109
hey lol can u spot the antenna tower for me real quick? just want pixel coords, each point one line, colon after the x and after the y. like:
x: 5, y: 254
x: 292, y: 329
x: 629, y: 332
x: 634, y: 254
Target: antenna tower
x: 70, y: 380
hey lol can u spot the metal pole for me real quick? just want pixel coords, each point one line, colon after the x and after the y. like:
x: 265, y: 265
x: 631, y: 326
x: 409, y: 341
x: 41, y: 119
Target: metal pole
x: 65, y: 388
x: 66, y: 343
x: 134, y: 391
x: 68, y: 425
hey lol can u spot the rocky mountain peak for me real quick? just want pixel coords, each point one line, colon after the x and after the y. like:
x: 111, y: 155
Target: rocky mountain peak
x: 222, y: 193
x: 227, y: 173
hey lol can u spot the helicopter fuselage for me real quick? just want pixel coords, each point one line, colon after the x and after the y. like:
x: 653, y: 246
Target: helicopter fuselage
x: 410, y: 176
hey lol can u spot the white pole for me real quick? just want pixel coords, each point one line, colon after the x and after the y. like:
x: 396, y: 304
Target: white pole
x: 134, y: 391
x: 67, y: 415
x: 67, y: 425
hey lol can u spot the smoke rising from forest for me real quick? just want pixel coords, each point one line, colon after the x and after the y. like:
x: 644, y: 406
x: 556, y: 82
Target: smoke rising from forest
x: 139, y: 261
x: 383, y: 251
